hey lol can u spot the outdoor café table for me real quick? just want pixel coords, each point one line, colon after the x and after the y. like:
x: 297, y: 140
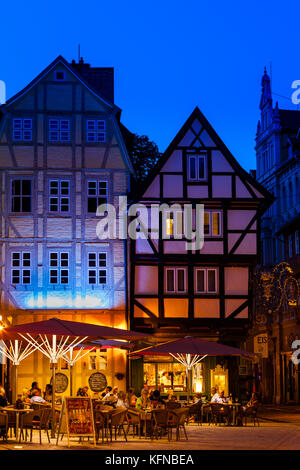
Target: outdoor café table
x: 235, y: 407
x: 17, y: 411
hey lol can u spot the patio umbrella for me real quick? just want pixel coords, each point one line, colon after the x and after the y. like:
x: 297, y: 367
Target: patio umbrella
x: 55, y: 337
x: 16, y: 351
x: 190, y: 351
x: 84, y: 349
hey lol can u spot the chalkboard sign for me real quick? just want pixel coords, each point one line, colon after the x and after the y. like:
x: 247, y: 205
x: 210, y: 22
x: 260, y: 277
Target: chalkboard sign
x: 97, y: 382
x: 61, y: 382
x: 76, y: 418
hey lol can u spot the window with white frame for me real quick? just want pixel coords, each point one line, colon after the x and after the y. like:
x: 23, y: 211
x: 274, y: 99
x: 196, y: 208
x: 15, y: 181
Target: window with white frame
x: 212, y: 224
x: 290, y: 245
x: 21, y: 195
x: 20, y: 268
x: 95, y: 130
x: 59, y: 130
x: 59, y: 195
x: 297, y: 242
x: 59, y: 267
x: 206, y: 280
x: 22, y: 129
x: 97, y: 268
x: 97, y: 194
x: 197, y: 167
x: 175, y: 280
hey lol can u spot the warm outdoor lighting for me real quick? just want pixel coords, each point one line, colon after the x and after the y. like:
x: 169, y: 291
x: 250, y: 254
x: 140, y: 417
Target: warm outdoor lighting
x: 198, y: 386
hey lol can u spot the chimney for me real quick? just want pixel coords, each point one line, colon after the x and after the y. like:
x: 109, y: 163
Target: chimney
x: 100, y: 78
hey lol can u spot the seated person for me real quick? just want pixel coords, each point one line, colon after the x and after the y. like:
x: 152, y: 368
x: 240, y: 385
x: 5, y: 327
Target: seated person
x: 36, y: 397
x: 3, y: 399
x: 34, y: 386
x: 131, y: 397
x: 122, y: 400
x: 48, y: 393
x: 143, y: 401
x: 242, y: 411
x: 170, y: 395
x: 197, y: 398
x: 82, y: 392
x: 107, y: 390
x: 112, y: 396
x: 156, y: 399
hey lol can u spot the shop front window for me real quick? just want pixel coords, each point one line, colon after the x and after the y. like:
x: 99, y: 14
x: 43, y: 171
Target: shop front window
x: 165, y: 375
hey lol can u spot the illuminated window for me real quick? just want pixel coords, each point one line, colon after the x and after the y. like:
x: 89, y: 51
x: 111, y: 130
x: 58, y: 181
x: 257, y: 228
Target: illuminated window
x: 20, y: 268
x: 95, y: 130
x: 206, y: 280
x: 212, y: 224
x: 21, y: 195
x: 97, y: 268
x: 174, y: 223
x: 197, y: 167
x: 175, y: 280
x: 59, y: 267
x: 59, y: 130
x: 59, y: 196
x: 97, y: 194
x: 22, y: 129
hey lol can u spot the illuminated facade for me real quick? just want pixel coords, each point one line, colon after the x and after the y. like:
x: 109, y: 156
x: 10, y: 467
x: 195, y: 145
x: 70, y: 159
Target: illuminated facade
x: 201, y: 292
x: 61, y: 155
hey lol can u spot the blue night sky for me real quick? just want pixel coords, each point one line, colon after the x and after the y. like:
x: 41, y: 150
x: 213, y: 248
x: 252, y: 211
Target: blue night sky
x: 169, y: 56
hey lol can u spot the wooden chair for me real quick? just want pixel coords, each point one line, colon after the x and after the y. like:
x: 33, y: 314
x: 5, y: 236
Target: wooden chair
x: 4, y: 426
x: 100, y: 425
x: 251, y: 412
x: 220, y: 413
x: 116, y: 423
x: 196, y: 413
x: 33, y: 420
x: 176, y: 420
x: 134, y: 420
x: 160, y: 422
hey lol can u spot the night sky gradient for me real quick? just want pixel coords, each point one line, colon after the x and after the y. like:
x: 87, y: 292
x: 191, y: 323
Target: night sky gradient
x: 169, y: 56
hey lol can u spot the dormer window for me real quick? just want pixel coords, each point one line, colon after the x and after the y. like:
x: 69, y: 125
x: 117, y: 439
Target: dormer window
x: 59, y: 75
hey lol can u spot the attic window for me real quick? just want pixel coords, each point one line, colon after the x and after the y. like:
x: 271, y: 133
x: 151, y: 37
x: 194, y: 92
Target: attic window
x: 59, y: 75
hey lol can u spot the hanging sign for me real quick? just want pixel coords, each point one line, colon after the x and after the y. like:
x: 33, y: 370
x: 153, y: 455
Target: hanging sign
x: 97, y: 382
x: 76, y: 418
x: 261, y: 345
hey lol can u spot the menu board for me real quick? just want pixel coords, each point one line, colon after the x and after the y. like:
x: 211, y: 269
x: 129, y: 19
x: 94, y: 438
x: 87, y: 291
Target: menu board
x: 76, y: 418
x: 61, y: 382
x: 97, y: 382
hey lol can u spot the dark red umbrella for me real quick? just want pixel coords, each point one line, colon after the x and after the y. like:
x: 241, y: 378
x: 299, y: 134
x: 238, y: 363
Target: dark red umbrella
x: 56, y: 338
x: 64, y: 328
x: 192, y: 346
x: 189, y: 351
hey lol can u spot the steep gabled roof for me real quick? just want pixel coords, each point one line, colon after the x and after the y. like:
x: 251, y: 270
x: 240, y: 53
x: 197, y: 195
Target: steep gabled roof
x: 197, y: 114
x: 72, y: 70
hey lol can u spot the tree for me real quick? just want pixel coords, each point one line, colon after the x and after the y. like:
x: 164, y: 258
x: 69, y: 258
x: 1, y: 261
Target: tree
x: 144, y: 155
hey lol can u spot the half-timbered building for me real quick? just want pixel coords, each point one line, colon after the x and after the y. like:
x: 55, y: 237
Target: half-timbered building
x: 177, y: 289
x: 61, y: 155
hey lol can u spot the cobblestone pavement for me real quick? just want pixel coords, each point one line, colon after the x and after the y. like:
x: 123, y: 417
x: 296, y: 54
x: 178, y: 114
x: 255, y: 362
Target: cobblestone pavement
x: 279, y: 430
